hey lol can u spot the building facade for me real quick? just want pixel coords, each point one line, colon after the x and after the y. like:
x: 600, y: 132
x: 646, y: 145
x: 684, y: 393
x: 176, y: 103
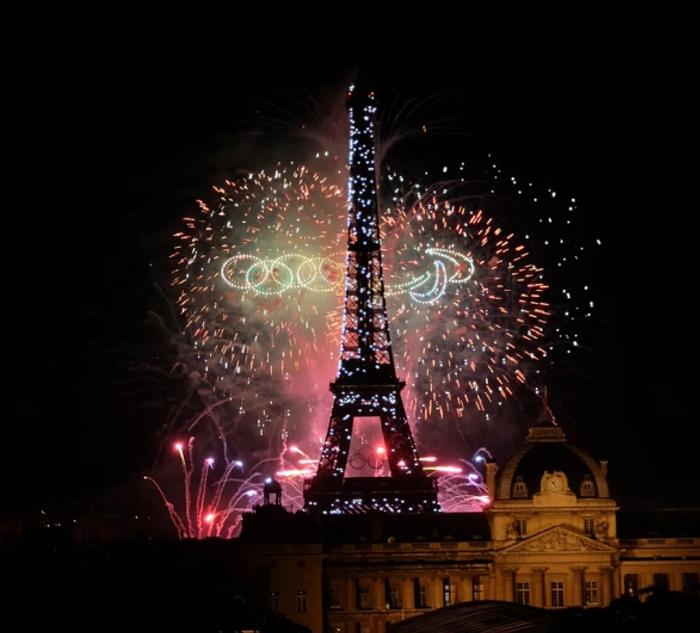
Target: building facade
x: 549, y: 539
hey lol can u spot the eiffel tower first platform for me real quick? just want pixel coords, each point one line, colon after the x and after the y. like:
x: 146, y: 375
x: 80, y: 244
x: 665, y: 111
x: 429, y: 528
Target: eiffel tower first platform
x: 366, y: 384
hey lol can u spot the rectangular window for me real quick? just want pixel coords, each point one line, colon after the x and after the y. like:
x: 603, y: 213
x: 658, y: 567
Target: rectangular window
x: 661, y: 581
x: 335, y: 596
x: 478, y: 592
x: 690, y: 582
x: 394, y: 597
x: 446, y: 592
x: 521, y: 527
x: 363, y: 596
x: 589, y: 526
x: 631, y: 587
x: 522, y: 592
x: 557, y: 593
x: 420, y: 594
x: 302, y: 601
x: 591, y: 592
x: 423, y: 597
x: 274, y: 601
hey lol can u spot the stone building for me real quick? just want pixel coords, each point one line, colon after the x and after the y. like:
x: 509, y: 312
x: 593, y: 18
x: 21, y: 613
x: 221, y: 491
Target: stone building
x: 549, y: 539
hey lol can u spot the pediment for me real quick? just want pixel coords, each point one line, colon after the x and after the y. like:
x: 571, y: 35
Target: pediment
x: 559, y: 539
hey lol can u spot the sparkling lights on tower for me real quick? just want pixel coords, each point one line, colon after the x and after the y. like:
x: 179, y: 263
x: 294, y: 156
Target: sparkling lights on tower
x: 366, y: 384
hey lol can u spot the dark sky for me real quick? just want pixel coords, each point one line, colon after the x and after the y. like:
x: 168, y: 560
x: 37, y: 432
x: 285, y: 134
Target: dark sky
x: 112, y: 145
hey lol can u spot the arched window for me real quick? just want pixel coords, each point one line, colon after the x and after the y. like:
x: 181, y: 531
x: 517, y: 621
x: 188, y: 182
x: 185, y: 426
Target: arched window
x: 587, y: 487
x: 519, y: 488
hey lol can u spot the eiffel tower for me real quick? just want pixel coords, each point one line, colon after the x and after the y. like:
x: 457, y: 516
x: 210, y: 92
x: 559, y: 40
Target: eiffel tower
x: 366, y: 384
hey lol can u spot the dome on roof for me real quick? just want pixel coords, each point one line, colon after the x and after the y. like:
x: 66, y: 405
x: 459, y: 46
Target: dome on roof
x: 547, y: 454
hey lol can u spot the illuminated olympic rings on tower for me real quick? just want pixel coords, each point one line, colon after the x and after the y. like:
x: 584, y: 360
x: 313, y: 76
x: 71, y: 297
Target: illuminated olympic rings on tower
x: 293, y: 271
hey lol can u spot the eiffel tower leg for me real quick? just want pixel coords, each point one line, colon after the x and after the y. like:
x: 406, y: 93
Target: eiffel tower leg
x: 334, y: 454
x: 401, y: 449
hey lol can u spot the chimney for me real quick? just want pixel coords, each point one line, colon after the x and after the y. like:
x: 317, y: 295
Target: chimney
x: 491, y: 470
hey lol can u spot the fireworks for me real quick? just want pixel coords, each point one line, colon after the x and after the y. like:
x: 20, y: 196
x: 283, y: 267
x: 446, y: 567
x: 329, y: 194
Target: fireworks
x: 477, y: 320
x: 214, y: 506
x: 210, y: 509
x: 462, y: 488
x: 260, y: 279
x: 259, y: 276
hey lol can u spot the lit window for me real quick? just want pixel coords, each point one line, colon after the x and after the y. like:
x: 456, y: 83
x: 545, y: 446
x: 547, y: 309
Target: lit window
x: 447, y: 592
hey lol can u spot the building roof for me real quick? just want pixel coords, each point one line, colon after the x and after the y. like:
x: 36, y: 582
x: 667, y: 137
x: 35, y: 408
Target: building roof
x: 486, y: 616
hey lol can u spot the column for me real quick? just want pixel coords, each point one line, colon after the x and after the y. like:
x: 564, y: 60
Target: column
x: 508, y: 584
x: 465, y: 588
x: 607, y: 587
x: 490, y: 587
x: 350, y: 594
x: 435, y: 593
x: 579, y: 588
x: 539, y: 586
x: 378, y: 594
x: 616, y: 578
x: 407, y: 597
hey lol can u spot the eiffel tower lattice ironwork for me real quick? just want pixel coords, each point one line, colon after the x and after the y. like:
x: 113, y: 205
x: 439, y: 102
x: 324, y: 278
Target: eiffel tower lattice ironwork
x: 366, y: 384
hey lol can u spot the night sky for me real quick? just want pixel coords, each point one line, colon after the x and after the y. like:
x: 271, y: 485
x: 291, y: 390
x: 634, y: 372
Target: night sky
x: 108, y: 161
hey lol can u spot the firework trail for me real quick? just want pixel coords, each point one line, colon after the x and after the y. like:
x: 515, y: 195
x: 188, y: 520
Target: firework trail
x: 462, y: 488
x: 214, y: 509
x: 213, y: 506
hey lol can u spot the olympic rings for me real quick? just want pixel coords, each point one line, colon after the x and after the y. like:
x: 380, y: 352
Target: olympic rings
x: 293, y: 271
